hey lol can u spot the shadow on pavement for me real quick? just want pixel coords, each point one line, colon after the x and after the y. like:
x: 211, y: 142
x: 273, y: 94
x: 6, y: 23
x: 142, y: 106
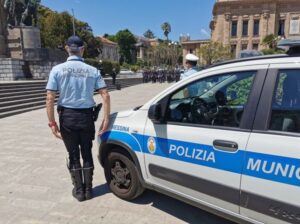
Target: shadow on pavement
x: 178, y: 209
x: 100, y: 190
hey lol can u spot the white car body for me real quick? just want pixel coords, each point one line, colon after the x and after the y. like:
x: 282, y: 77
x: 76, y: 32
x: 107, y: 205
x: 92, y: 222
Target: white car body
x: 259, y: 182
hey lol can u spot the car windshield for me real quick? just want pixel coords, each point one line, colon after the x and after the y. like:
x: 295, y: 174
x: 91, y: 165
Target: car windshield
x: 210, y: 85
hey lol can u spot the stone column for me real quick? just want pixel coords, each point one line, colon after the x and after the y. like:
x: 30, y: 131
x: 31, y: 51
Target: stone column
x: 251, y: 26
x: 141, y: 52
x: 265, y: 23
x: 250, y: 31
x: 239, y: 35
x: 287, y: 25
x: 227, y: 32
x: 3, y: 24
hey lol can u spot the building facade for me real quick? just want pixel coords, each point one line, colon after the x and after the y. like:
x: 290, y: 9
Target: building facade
x: 109, y: 50
x: 243, y: 24
x: 142, y: 46
x: 191, y: 47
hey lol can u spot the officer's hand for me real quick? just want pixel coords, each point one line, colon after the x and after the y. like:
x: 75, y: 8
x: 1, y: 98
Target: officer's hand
x: 104, y: 126
x: 56, y: 132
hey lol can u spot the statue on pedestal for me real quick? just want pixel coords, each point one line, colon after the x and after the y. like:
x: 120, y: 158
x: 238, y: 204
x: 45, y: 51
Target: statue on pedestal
x: 21, y: 12
x: 3, y: 31
x: 29, y: 16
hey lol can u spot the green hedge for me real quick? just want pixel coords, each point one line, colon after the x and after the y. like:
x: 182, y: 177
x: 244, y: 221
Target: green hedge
x: 106, y: 67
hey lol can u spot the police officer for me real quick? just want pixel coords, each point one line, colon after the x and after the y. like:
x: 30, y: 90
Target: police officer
x: 114, y: 75
x: 191, y: 64
x: 76, y: 82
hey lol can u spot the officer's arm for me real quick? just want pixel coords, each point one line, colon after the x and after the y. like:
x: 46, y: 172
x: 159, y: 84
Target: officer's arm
x: 106, y: 107
x: 50, y: 112
x: 50, y: 105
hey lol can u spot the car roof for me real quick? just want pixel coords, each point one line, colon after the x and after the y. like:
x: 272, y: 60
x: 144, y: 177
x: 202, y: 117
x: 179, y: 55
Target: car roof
x: 250, y: 59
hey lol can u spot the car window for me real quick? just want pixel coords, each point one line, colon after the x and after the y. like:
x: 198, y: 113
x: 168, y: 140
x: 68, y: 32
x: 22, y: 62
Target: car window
x: 218, y: 100
x: 285, y: 114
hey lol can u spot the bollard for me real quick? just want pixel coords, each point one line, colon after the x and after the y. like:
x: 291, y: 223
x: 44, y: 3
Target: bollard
x: 118, y: 86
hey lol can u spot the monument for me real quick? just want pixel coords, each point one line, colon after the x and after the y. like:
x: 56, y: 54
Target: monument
x: 20, y: 44
x: 3, y: 48
x: 22, y: 33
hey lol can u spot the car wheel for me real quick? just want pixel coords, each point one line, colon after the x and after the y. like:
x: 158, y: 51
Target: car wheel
x: 122, y: 177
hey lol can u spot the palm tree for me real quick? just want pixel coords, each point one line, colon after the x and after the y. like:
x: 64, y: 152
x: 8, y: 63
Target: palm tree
x: 166, y: 27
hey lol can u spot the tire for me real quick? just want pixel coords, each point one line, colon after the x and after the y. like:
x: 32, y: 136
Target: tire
x: 122, y: 177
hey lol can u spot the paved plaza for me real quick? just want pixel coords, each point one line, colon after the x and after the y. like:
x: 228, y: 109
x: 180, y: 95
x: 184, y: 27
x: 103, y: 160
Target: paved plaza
x: 36, y: 187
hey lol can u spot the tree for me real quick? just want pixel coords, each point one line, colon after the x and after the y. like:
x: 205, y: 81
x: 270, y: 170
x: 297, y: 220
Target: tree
x: 57, y: 27
x: 165, y: 54
x: 126, y: 42
x: 110, y: 37
x: 93, y: 45
x: 149, y: 34
x: 166, y: 27
x: 270, y: 41
x: 214, y: 52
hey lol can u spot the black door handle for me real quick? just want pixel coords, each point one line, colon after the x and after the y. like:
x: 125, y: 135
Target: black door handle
x: 226, y: 145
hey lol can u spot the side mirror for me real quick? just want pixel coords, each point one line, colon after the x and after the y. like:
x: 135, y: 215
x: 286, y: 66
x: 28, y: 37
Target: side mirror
x: 155, y: 113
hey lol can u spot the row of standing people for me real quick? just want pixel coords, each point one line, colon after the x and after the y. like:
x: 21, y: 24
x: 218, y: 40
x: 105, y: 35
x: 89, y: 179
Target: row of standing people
x: 161, y: 76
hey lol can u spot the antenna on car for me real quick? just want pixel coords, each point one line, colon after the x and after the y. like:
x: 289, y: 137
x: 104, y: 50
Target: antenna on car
x: 291, y: 45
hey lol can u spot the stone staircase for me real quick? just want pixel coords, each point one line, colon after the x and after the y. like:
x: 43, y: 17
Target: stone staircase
x: 19, y: 97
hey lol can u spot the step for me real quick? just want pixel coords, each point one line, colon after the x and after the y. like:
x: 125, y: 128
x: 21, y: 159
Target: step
x: 30, y: 93
x: 38, y: 100
x: 17, y: 83
x: 42, y: 91
x: 24, y: 93
x: 22, y: 106
x: 23, y: 88
x: 22, y: 101
x: 42, y: 87
x: 19, y: 111
x: 19, y: 86
x: 19, y: 96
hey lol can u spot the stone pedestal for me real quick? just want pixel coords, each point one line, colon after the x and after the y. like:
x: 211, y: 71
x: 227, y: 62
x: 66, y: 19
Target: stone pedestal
x: 31, y: 37
x: 22, y: 38
x: 11, y: 69
x: 15, y: 45
x: 3, y: 48
x: 3, y: 45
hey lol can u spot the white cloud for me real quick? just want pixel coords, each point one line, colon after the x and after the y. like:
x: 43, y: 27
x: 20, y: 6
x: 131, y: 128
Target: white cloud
x: 205, y: 33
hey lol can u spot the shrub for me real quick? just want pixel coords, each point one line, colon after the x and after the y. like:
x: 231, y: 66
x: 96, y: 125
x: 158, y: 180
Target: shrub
x: 135, y: 68
x: 106, y: 67
x: 93, y: 62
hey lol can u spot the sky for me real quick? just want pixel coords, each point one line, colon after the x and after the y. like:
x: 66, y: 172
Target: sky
x: 109, y: 16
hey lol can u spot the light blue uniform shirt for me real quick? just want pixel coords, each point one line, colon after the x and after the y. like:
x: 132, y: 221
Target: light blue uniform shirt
x: 76, y: 82
x: 189, y: 72
x: 193, y: 88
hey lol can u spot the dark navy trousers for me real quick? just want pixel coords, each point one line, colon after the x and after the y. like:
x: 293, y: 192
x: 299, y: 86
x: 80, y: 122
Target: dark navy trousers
x: 78, y: 132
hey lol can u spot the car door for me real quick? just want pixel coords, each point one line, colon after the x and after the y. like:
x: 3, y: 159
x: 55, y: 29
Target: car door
x: 198, y: 149
x: 271, y: 175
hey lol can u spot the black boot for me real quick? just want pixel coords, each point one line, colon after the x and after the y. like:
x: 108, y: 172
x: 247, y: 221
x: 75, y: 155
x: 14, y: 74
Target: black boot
x: 78, y: 191
x: 88, y: 179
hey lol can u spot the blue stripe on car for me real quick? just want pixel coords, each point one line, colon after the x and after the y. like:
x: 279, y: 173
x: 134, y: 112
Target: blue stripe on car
x: 265, y: 166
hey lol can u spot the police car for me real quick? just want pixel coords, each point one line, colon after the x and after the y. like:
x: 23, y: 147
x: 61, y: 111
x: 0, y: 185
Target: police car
x: 231, y: 147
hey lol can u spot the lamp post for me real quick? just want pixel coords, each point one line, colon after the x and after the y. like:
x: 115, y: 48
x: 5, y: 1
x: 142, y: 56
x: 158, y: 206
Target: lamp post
x: 73, y: 21
x: 173, y: 52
